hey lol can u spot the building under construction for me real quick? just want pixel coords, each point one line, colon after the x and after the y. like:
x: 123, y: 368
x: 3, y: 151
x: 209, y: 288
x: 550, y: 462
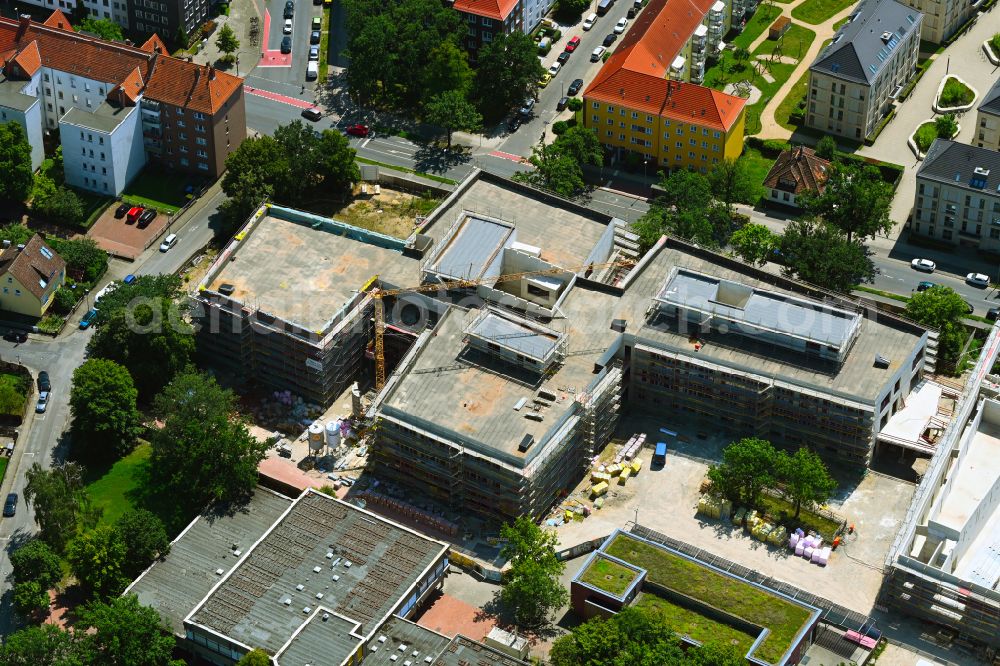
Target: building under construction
x: 944, y: 565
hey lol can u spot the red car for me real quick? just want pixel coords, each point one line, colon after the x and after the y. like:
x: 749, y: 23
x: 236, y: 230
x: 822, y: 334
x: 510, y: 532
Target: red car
x: 358, y: 130
x: 133, y: 215
x: 572, y: 44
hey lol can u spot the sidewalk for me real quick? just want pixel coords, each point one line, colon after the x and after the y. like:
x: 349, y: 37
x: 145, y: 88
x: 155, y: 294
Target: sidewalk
x: 249, y: 54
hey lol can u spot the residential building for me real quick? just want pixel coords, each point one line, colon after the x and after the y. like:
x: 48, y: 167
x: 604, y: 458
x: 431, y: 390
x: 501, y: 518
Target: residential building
x: 854, y: 81
x: 105, y: 99
x: 796, y: 170
x: 310, y: 580
x: 944, y: 564
x: 957, y: 199
x: 534, y: 12
x: 30, y: 275
x: 943, y: 18
x: 988, y: 119
x: 168, y: 17
x: 485, y: 19
x: 112, y: 10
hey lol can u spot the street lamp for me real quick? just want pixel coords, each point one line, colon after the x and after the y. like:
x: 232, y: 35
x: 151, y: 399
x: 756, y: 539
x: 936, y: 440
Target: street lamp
x: 237, y: 65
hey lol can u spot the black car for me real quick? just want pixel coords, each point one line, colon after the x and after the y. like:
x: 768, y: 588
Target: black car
x: 610, y: 39
x: 10, y: 506
x: 286, y: 45
x: 968, y: 308
x: 632, y: 11
x: 15, y: 336
x: 312, y: 114
x: 993, y: 314
x: 122, y: 210
x: 146, y: 218
x: 289, y: 9
x: 43, y: 381
x: 561, y: 104
x: 563, y: 57
x: 314, y: 37
x: 514, y: 123
x: 574, y: 87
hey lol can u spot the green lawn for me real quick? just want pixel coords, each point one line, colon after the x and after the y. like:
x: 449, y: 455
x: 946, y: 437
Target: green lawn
x: 3, y: 466
x: 758, y: 167
x: 760, y: 22
x: 783, y: 619
x: 780, y: 72
x: 784, y: 111
x: 13, y: 394
x: 815, y: 12
x: 689, y: 623
x: 955, y: 93
x: 807, y: 520
x: 93, y: 205
x: 159, y: 189
x: 794, y: 43
x: 609, y: 576
x: 115, y: 491
x: 925, y: 136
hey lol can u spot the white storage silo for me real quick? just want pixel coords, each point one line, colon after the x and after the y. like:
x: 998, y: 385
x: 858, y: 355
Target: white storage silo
x: 333, y: 434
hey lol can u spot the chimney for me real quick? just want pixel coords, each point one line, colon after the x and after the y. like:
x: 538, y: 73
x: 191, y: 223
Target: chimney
x: 211, y: 73
x: 128, y: 42
x: 23, y: 23
x: 190, y: 58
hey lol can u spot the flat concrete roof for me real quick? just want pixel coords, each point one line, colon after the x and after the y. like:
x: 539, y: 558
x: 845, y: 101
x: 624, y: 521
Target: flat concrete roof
x: 973, y: 476
x: 404, y: 640
x: 12, y: 97
x: 176, y: 584
x: 462, y: 651
x: 321, y: 554
x: 300, y: 270
x: 326, y: 638
x: 105, y: 118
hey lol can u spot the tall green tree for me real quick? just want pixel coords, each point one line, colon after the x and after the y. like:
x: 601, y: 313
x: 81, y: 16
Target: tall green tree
x: 15, y: 163
x: 570, y: 11
x: 686, y: 209
x: 732, y: 182
x: 941, y: 308
x: 124, y: 633
x: 826, y: 148
x: 36, y: 568
x: 452, y: 111
x: 531, y: 587
x: 145, y: 540
x: 63, y: 206
x: 97, y: 558
x: 251, y: 173
x: 16, y: 233
x: 103, y: 403
x: 754, y: 244
x: 204, y: 452
x: 81, y: 254
x: 103, y: 28
x: 226, y: 40
x: 748, y: 466
x: 805, y: 479
x: 46, y: 645
x: 553, y: 171
x: 855, y: 200
x: 582, y: 145
x: 255, y: 657
x: 820, y: 254
x: 446, y: 69
x: 338, y: 169
x: 946, y: 126
x: 60, y: 502
x: 508, y: 72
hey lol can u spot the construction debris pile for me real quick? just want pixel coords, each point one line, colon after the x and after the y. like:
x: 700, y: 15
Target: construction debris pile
x: 285, y: 412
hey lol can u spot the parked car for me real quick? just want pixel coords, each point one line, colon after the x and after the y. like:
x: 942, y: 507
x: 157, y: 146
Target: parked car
x: 968, y: 308
x: 993, y: 314
x: 632, y: 11
x: 314, y: 53
x: 563, y: 57
x: 317, y: 23
x: 133, y: 214
x: 596, y: 54
x: 312, y: 70
x: 288, y: 27
x: 589, y: 22
x: 925, y: 285
x: 925, y: 265
x: 358, y: 130
x: 289, y: 9
x: 527, y: 107
x: 312, y: 114
x: 554, y: 68
x: 621, y: 25
x: 146, y: 218
x: 514, y: 122
x: 129, y: 279
x: 978, y: 279
x: 286, y: 45
x: 15, y: 336
x: 572, y: 44
x: 314, y: 37
x: 87, y: 319
x: 43, y: 402
x: 122, y: 210
x: 574, y: 87
x: 10, y: 506
x: 544, y: 81
x: 561, y: 104
x: 610, y: 39
x: 43, y: 381
x: 168, y: 242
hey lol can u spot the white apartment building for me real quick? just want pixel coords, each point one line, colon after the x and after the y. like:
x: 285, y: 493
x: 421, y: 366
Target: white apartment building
x: 18, y: 105
x: 102, y: 149
x: 942, y: 18
x: 988, y: 120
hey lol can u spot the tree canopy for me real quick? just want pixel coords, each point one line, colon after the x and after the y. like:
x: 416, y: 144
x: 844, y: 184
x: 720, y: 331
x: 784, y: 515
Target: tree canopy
x: 558, y: 164
x: 446, y: 70
x: 508, y: 72
x: 826, y: 148
x: 453, y: 111
x: 15, y: 163
x: 82, y: 255
x: 47, y: 645
x: 98, y: 558
x: 748, y: 466
x: 855, y: 200
x: 805, y: 479
x: 124, y: 633
x: 36, y: 568
x: 255, y: 657
x: 103, y: 404
x: 687, y: 209
x: 820, y: 254
x: 941, y: 308
x: 226, y: 39
x: 61, y: 206
x: 531, y: 587
x: 60, y: 502
x: 145, y: 540
x: 103, y: 28
x: 754, y: 244
x: 732, y: 182
x: 204, y: 452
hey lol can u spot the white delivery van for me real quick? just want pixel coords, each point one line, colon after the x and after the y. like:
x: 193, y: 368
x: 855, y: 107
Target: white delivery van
x: 312, y: 70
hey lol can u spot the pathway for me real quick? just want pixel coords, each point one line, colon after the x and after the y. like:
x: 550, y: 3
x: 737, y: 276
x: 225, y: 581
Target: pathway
x: 770, y: 129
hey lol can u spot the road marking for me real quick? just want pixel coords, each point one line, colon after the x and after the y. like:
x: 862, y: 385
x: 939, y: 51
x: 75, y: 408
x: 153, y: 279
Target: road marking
x: 506, y: 156
x: 365, y: 142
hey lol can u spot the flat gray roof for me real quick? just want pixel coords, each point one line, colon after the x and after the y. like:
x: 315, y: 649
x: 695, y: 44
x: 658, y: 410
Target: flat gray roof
x: 462, y: 651
x: 301, y: 269
x: 12, y: 97
x: 758, y: 308
x: 404, y: 640
x: 105, y: 118
x: 361, y: 564
x: 531, y: 341
x: 176, y: 584
x: 326, y: 638
x: 468, y: 252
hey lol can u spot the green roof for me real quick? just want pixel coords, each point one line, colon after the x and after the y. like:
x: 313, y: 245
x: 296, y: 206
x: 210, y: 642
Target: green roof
x: 608, y: 575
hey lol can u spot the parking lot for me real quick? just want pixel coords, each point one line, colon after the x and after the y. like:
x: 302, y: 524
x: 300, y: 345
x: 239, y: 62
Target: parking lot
x: 121, y: 239
x: 665, y: 500
x: 288, y: 68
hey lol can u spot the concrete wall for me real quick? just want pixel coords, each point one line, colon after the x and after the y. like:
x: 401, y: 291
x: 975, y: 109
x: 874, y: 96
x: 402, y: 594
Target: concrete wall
x: 64, y: 91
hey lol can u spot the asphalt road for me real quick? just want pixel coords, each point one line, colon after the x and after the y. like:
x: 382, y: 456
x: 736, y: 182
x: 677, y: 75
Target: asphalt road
x: 304, y: 13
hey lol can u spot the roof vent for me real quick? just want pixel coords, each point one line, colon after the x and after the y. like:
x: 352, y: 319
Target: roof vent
x: 886, y: 36
x: 982, y: 171
x: 227, y: 289
x: 317, y: 569
x: 219, y: 572
x: 20, y: 246
x: 326, y: 616
x: 526, y: 443
x: 319, y: 595
x: 618, y: 325
x: 306, y: 610
x: 287, y: 601
x: 881, y: 361
x: 300, y: 587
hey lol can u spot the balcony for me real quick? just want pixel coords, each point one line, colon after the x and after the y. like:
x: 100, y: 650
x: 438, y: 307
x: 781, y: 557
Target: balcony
x: 698, y: 38
x: 697, y: 60
x: 677, y: 68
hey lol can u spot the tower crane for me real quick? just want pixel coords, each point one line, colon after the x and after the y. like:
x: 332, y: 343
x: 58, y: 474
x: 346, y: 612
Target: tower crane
x: 379, y: 294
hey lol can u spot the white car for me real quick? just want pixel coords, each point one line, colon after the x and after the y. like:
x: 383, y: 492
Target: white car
x: 168, y: 242
x: 620, y: 26
x: 288, y: 27
x: 314, y: 53
x: 589, y: 22
x: 43, y: 402
x: 925, y: 265
x: 554, y: 68
x: 978, y: 279
x: 596, y: 54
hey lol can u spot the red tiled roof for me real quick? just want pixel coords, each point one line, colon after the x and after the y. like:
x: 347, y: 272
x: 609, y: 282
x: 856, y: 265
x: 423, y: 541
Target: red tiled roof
x: 637, y: 74
x: 154, y: 44
x: 58, y: 20
x: 495, y: 9
x: 195, y: 87
x: 29, y: 59
x: 801, y: 167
